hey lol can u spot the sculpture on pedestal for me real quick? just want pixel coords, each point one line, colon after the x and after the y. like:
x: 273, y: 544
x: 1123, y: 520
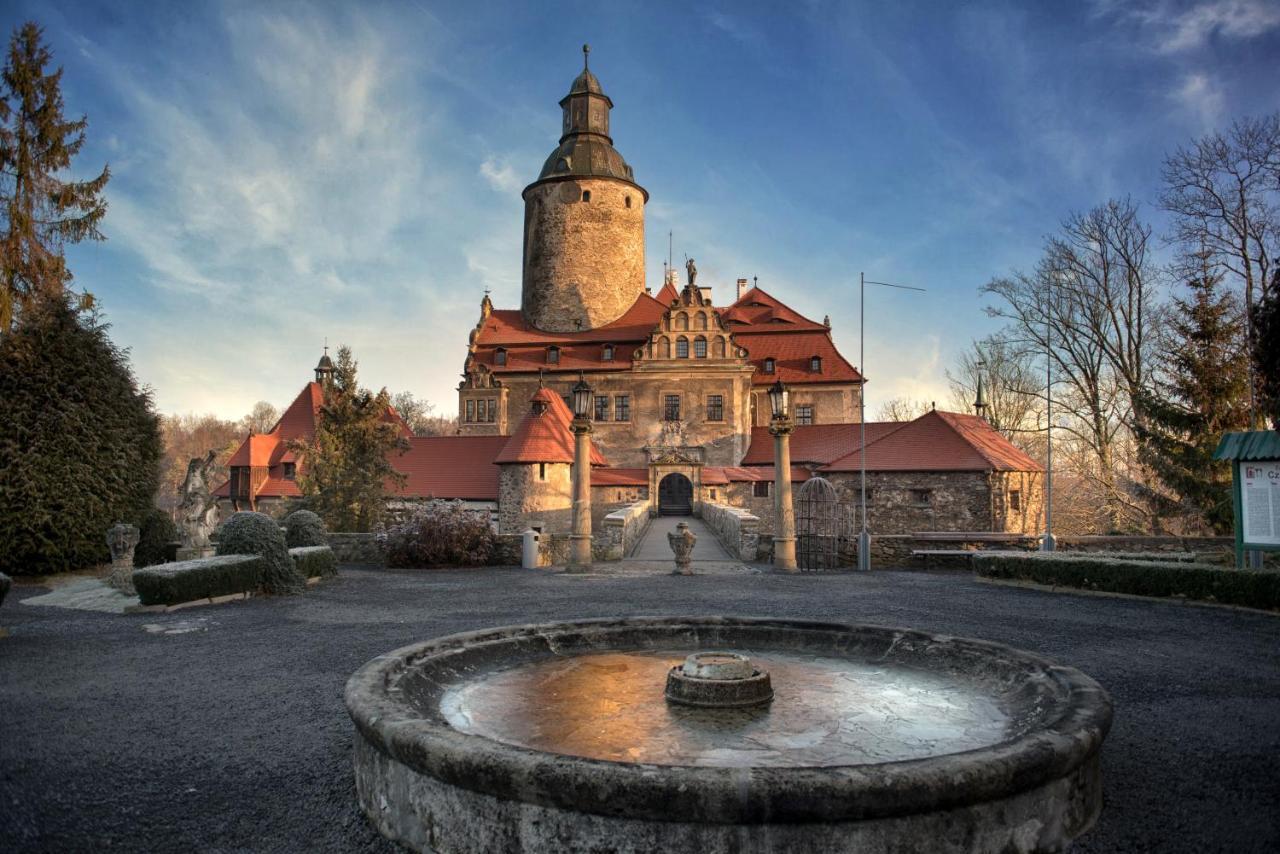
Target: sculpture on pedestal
x: 122, y: 539
x: 198, y: 512
x: 682, y: 541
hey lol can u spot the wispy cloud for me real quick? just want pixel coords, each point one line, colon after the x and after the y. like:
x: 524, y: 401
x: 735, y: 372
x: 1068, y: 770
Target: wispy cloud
x: 501, y: 175
x: 1175, y: 27
x: 1201, y: 98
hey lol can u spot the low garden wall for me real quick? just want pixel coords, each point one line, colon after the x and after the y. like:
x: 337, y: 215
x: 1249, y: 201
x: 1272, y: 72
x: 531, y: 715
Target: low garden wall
x: 621, y: 530
x: 894, y: 550
x: 355, y: 548
x: 738, y: 530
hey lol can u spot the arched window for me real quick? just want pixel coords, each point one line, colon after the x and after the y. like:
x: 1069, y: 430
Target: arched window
x: 717, y: 349
x: 553, y: 355
x: 768, y: 366
x: 682, y: 347
x: 682, y: 322
x: 627, y: 200
x: 815, y: 364
x: 586, y: 195
x: 606, y: 354
x: 700, y: 321
x: 700, y: 347
x: 500, y: 356
x: 664, y: 348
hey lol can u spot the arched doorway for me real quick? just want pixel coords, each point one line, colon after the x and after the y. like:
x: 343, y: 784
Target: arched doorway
x: 675, y: 495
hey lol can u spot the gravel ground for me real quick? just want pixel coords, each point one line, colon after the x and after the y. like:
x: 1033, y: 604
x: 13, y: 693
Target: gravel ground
x: 222, y: 728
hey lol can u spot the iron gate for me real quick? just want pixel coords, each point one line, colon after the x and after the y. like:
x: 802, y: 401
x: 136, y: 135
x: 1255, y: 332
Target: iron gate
x: 824, y: 527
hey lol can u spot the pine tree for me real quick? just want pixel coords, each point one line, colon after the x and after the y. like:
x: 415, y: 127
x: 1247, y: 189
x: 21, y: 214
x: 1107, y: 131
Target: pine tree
x: 1203, y: 393
x: 346, y: 466
x: 41, y: 211
x: 80, y: 443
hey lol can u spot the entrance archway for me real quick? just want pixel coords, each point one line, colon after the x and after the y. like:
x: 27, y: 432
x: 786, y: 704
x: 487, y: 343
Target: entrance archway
x: 675, y: 495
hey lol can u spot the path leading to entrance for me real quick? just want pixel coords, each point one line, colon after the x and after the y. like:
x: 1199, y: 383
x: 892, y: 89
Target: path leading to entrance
x: 654, y: 546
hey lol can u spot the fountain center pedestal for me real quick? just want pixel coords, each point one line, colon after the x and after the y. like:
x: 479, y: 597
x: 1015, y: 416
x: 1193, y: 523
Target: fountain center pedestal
x: 718, y: 680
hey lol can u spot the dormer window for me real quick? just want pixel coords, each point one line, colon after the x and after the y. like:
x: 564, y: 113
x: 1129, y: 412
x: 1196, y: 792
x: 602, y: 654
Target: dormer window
x: 291, y: 472
x: 768, y: 366
x: 500, y: 356
x: 815, y: 364
x: 606, y: 353
x: 553, y: 355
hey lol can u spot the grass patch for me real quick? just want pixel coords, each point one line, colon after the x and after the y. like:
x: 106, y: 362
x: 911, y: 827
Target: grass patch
x: 1203, y: 582
x: 314, y: 561
x: 203, y: 578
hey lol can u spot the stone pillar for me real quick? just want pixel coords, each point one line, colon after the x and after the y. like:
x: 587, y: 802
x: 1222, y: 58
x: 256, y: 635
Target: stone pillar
x: 122, y: 539
x: 580, y: 539
x: 784, y: 539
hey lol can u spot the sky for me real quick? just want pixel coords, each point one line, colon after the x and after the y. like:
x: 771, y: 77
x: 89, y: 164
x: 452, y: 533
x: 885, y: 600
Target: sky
x: 289, y: 173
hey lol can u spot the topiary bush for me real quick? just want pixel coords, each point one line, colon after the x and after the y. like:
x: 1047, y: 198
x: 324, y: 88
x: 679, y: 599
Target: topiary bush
x: 203, y: 578
x: 155, y: 532
x: 314, y: 561
x: 304, y: 528
x: 1251, y: 588
x: 440, y: 533
x: 249, y: 533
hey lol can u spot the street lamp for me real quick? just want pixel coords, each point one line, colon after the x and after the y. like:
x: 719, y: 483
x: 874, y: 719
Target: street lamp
x: 784, y: 541
x: 580, y: 539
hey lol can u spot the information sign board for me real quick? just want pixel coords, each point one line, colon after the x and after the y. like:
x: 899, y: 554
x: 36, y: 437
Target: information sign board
x: 1259, y: 502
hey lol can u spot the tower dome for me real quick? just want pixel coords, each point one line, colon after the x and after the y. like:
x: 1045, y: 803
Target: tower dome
x: 584, y: 222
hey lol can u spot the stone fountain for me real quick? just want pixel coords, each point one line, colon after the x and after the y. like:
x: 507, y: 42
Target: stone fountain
x: 717, y: 735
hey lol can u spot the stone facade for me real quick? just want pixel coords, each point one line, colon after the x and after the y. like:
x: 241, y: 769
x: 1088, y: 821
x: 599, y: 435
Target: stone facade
x: 905, y: 502
x: 583, y: 252
x: 536, y: 495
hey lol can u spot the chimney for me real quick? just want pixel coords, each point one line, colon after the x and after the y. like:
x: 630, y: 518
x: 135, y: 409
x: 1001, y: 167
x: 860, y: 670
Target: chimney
x: 742, y: 287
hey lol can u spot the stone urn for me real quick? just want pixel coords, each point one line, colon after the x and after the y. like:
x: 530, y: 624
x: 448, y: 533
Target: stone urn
x: 122, y: 539
x: 682, y: 541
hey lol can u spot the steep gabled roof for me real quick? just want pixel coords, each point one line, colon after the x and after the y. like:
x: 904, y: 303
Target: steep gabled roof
x: 449, y: 467
x: 507, y: 328
x: 792, y: 355
x: 667, y: 294
x: 765, y: 313
x: 816, y: 443
x: 940, y: 441
x: 544, y: 437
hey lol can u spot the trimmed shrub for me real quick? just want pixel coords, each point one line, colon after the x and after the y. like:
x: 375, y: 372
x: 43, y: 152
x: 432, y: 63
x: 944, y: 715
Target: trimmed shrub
x: 1251, y: 588
x: 304, y: 528
x: 1159, y: 557
x: 249, y: 533
x: 440, y: 533
x: 203, y: 578
x: 314, y: 561
x: 155, y: 531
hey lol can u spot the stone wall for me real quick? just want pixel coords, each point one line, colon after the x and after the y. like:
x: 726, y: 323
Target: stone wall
x: 738, y: 530
x: 836, y: 403
x: 535, y: 494
x: 620, y: 531
x: 903, y: 502
x: 354, y: 548
x: 583, y: 259
x: 890, y: 551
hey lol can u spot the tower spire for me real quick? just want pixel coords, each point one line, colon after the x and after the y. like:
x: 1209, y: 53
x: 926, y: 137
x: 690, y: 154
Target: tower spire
x: 980, y: 403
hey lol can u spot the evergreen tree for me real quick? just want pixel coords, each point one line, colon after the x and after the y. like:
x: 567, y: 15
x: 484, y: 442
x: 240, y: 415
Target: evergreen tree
x: 41, y: 211
x: 347, y: 465
x: 1266, y: 352
x: 80, y: 443
x: 1203, y: 393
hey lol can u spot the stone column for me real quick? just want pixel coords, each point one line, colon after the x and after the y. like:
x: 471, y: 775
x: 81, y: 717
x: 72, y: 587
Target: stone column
x: 784, y: 539
x: 122, y: 539
x: 580, y: 539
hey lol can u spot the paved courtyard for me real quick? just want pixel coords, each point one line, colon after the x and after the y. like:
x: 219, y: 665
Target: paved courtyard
x: 222, y: 728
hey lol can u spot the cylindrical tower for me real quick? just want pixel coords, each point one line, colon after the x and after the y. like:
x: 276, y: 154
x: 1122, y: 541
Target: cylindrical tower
x: 583, y: 223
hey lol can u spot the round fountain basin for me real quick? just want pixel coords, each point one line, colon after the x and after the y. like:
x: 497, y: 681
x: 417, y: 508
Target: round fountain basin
x: 558, y: 737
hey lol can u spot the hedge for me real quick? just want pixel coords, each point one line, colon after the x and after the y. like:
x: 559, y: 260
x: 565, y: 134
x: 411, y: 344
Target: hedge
x: 155, y: 532
x: 304, y: 528
x: 314, y: 561
x: 1251, y: 588
x: 249, y: 533
x: 203, y: 578
x: 1158, y: 557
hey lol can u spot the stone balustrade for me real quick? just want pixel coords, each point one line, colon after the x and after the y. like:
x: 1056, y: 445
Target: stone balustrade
x: 621, y: 530
x: 738, y: 530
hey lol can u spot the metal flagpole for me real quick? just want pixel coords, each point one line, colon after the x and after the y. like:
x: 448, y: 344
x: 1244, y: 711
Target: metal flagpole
x: 1048, y: 544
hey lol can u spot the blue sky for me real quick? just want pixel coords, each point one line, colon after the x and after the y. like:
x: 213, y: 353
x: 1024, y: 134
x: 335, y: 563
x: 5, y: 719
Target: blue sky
x: 285, y: 172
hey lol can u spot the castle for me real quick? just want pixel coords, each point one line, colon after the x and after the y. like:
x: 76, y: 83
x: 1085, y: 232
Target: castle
x: 680, y: 408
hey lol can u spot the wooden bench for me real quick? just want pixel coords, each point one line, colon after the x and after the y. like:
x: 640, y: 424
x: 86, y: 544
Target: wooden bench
x: 967, y: 554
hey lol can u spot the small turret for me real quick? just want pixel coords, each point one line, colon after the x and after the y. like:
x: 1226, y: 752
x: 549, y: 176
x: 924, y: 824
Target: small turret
x: 980, y: 403
x: 324, y: 369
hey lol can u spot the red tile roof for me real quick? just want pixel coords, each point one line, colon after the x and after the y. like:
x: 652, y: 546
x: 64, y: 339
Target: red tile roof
x: 545, y: 437
x: 756, y: 308
x: 667, y: 294
x: 815, y: 443
x: 450, y: 467
x: 751, y: 474
x: 940, y: 441
x: 619, y: 477
x: 792, y: 354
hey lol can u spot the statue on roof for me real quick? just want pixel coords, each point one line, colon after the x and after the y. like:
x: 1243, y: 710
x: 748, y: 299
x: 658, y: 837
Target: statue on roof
x: 692, y: 269
x: 198, y: 512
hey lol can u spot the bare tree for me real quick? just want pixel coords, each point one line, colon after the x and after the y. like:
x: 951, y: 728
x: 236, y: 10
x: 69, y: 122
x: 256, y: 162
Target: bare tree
x: 1224, y: 193
x: 420, y: 416
x: 260, y: 419
x: 902, y: 409
x: 1011, y: 388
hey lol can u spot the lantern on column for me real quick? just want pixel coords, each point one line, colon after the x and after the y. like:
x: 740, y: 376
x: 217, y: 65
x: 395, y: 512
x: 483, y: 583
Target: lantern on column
x: 778, y: 399
x: 581, y: 398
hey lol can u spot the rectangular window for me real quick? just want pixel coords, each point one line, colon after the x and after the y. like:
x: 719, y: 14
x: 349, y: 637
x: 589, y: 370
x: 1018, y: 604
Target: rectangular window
x: 493, y: 410
x: 715, y: 407
x: 700, y: 348
x: 804, y: 414
x: 622, y: 407
x: 671, y: 409
x: 471, y: 410
x: 921, y: 497
x: 761, y: 488
x: 290, y: 471
x: 1015, y: 500
x: 542, y: 471
x: 602, y: 407
x: 713, y: 495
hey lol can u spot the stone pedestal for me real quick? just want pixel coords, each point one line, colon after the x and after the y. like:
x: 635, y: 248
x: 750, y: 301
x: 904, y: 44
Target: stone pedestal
x: 122, y: 539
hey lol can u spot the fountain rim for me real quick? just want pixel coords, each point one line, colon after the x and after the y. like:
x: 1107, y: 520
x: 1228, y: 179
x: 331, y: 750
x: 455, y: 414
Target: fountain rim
x: 723, y: 795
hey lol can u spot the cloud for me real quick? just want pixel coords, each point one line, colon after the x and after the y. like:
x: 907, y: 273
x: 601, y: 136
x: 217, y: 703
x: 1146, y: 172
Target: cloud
x: 501, y: 175
x: 1178, y: 27
x: 1200, y: 97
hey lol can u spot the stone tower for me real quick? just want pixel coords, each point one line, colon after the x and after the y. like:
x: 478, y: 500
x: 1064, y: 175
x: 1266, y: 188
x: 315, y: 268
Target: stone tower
x: 583, y: 222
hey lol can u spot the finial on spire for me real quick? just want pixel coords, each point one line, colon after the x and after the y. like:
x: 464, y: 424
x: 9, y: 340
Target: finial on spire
x: 541, y: 383
x: 326, y: 345
x: 586, y: 52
